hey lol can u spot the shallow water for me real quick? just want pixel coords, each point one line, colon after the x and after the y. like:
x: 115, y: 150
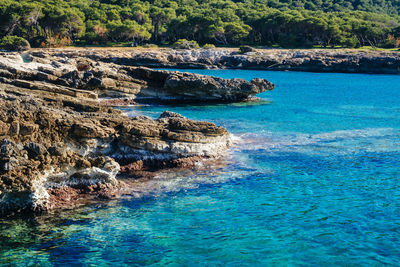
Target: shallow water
x: 312, y: 180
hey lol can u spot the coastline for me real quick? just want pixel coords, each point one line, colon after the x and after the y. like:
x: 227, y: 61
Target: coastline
x: 308, y: 60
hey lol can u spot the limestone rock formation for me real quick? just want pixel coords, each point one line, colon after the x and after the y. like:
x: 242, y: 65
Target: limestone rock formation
x: 52, y: 144
x: 80, y: 76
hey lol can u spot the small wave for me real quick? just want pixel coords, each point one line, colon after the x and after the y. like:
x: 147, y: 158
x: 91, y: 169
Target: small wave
x: 361, y: 111
x: 207, y: 172
x: 357, y: 133
x: 361, y: 138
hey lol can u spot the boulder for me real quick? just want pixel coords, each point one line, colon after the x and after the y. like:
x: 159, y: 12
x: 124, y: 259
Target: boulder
x: 246, y: 49
x: 35, y: 149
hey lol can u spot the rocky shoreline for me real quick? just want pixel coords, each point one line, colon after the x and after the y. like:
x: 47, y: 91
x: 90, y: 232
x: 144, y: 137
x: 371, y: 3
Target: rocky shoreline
x: 61, y: 143
x: 343, y: 60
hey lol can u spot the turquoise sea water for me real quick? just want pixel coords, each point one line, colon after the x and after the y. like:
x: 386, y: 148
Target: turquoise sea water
x: 313, y: 179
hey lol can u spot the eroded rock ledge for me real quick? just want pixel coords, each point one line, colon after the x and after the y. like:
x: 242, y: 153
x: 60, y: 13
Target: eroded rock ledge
x: 80, y: 76
x: 52, y: 145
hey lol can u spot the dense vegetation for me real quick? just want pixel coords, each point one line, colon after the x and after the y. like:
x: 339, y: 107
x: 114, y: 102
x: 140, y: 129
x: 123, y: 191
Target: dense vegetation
x: 287, y: 23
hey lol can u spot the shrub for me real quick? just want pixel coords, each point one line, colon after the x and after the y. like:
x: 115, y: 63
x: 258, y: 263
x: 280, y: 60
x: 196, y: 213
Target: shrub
x: 245, y: 48
x: 185, y: 44
x: 391, y: 42
x: 58, y: 40
x: 14, y: 43
x: 351, y: 42
x: 91, y: 38
x: 150, y: 46
x: 208, y: 46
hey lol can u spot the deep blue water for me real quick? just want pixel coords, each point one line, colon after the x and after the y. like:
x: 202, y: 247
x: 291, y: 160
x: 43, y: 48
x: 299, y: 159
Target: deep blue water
x: 312, y: 180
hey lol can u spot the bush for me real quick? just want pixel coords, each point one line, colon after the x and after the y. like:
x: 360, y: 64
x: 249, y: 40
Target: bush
x: 245, y: 49
x: 14, y: 43
x: 91, y: 38
x: 351, y: 42
x: 57, y: 41
x: 185, y: 44
x: 391, y: 42
x: 150, y: 46
x: 208, y: 46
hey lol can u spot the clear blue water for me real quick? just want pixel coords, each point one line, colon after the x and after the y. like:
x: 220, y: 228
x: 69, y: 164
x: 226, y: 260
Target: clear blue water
x: 313, y: 179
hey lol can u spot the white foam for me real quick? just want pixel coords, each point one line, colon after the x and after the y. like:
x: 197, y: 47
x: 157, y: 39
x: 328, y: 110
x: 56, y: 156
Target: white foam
x: 369, y: 139
x: 174, y: 181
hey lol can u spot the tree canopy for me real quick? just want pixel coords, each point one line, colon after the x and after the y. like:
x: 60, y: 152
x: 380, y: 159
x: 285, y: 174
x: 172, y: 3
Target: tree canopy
x: 286, y: 23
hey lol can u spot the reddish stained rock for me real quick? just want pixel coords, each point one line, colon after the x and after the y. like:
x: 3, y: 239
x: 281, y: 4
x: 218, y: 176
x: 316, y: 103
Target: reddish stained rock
x: 153, y: 165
